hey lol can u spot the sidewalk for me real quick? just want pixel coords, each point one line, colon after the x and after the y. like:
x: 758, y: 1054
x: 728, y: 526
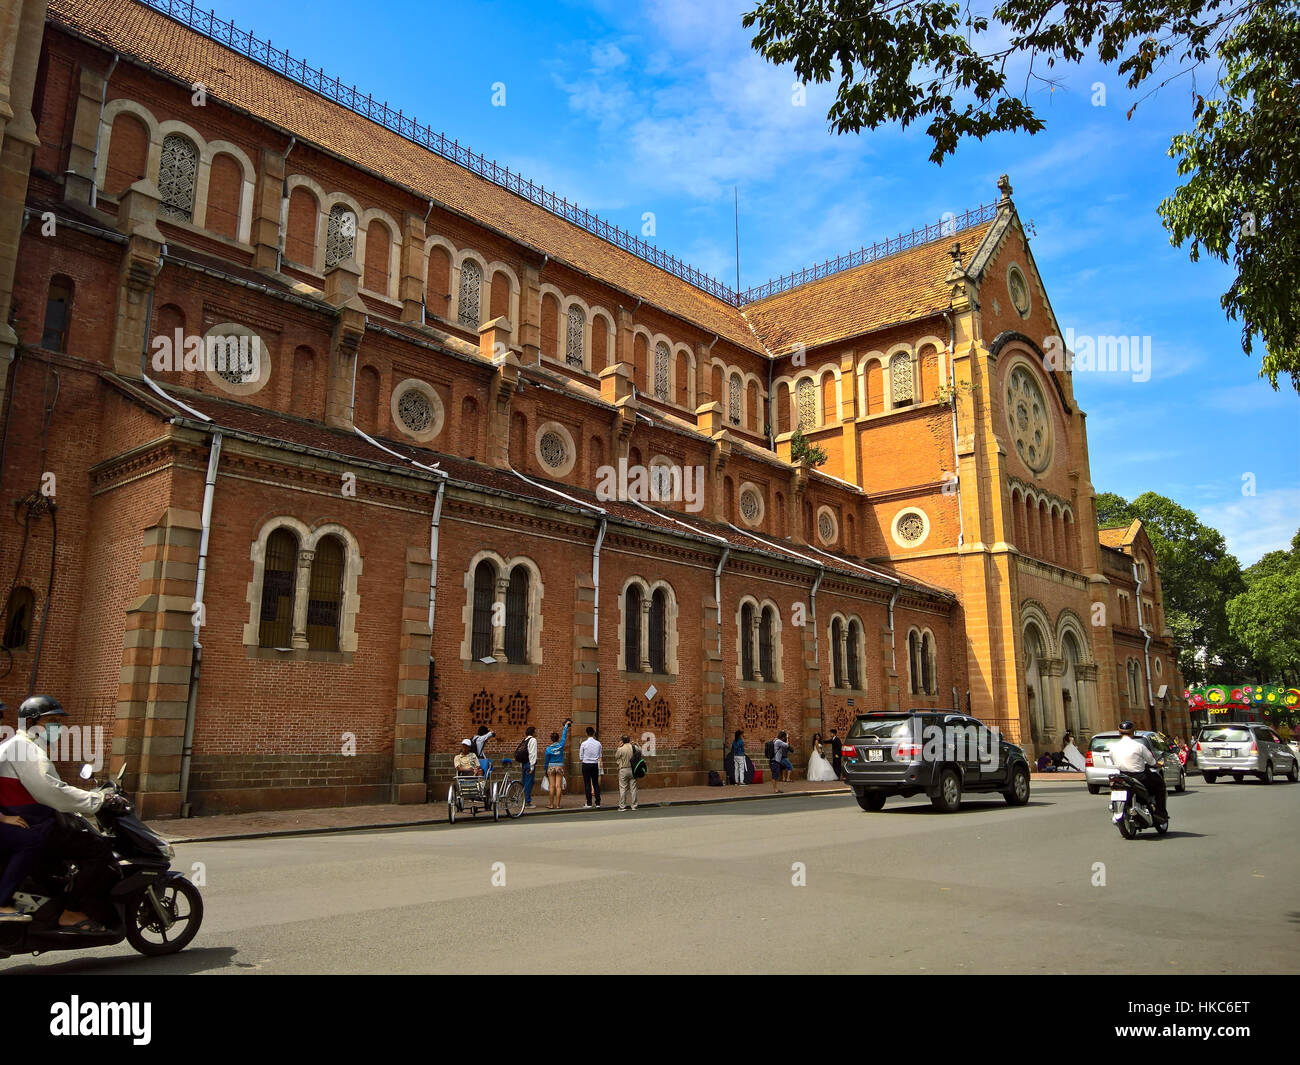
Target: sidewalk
x: 273, y: 823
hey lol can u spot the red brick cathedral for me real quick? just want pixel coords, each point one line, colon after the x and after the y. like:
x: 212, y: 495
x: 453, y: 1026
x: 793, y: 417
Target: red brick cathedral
x: 325, y: 442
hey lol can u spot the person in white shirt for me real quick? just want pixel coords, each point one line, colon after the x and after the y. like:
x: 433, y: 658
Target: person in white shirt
x: 1135, y: 758
x: 589, y: 754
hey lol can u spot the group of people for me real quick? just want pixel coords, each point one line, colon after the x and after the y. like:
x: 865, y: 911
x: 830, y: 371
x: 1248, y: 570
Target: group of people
x: 471, y: 761
x: 778, y: 751
x: 32, y: 796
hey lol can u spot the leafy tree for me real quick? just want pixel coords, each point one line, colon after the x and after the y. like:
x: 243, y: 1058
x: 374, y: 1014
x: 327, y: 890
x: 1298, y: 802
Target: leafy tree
x: 1266, y: 616
x: 801, y: 450
x: 940, y: 62
x: 1113, y: 510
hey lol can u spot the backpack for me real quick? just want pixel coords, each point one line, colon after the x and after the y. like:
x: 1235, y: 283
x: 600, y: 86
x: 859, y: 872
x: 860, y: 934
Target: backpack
x: 769, y: 750
x: 521, y: 752
x: 639, y: 768
x: 715, y: 781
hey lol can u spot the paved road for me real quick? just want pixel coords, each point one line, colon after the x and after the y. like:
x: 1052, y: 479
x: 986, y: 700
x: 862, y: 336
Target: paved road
x: 710, y: 889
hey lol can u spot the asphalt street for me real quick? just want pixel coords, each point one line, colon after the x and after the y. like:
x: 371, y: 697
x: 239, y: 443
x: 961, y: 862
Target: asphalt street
x: 805, y: 885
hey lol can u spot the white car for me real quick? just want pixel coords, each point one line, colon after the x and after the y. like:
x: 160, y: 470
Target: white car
x: 1098, y: 764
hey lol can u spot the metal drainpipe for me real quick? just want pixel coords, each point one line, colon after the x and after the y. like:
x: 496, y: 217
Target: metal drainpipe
x: 148, y: 315
x: 595, y: 608
x: 952, y: 383
x: 717, y: 598
x: 424, y: 307
x: 99, y: 135
x: 893, y: 636
x: 196, y: 655
x: 433, y: 596
x: 284, y: 208
x: 1146, y: 649
x: 817, y: 662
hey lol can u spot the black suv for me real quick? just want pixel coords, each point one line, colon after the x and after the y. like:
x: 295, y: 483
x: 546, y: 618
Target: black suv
x: 939, y: 753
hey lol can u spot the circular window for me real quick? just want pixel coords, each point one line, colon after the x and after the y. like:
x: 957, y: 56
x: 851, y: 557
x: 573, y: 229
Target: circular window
x: 828, y: 527
x: 1028, y: 419
x: 554, y: 449
x: 1018, y: 288
x: 910, y: 527
x: 235, y: 359
x: 417, y: 409
x: 752, y: 507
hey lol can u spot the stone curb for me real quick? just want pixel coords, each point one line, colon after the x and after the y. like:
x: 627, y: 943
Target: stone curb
x: 275, y: 833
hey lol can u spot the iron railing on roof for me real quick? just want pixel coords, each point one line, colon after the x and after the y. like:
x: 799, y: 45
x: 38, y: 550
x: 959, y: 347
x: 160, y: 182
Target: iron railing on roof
x: 315, y: 79
x: 949, y: 226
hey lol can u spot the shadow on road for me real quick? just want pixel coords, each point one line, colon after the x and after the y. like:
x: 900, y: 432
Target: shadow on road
x: 186, y: 963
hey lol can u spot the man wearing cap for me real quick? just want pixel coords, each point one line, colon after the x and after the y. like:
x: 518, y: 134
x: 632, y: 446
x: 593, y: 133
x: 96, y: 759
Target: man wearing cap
x: 466, y: 764
x: 32, y: 790
x: 1135, y: 757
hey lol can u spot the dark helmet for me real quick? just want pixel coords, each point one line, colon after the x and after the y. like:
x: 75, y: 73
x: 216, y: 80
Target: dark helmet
x: 1127, y: 728
x: 40, y: 706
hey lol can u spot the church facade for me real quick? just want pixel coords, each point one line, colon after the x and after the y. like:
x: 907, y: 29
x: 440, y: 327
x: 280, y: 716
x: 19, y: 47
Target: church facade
x: 329, y: 442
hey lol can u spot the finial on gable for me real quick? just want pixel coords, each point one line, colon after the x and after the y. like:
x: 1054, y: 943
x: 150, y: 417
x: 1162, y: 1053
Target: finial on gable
x: 1004, y: 187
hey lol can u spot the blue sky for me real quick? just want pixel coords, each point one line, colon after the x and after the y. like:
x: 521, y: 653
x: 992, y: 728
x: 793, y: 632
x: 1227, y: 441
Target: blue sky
x: 661, y: 106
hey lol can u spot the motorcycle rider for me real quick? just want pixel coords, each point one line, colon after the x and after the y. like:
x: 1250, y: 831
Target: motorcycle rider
x: 1134, y: 757
x: 32, y: 790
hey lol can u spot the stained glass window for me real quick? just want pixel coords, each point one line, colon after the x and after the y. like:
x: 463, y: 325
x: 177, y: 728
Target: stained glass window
x: 517, y: 615
x: 325, y: 596
x: 485, y: 582
x: 278, y: 576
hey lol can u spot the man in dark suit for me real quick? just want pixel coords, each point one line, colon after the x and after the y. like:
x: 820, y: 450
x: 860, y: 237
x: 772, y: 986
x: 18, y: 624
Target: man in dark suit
x: 837, y: 750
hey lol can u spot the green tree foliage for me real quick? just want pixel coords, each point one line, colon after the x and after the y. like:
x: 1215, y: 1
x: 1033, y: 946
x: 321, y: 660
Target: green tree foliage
x: 944, y: 64
x: 1266, y: 616
x: 801, y: 450
x: 1197, y: 576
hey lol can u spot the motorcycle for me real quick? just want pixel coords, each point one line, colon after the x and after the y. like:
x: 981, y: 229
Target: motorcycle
x: 156, y: 910
x: 1131, y: 806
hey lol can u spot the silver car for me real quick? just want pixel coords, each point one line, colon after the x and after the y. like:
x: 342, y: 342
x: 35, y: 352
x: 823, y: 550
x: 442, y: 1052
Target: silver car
x: 1099, y: 765
x: 1242, y: 749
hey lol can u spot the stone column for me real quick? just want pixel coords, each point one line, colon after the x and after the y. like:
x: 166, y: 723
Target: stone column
x: 644, y: 633
x: 341, y: 282
x: 1051, y: 670
x: 499, y: 611
x: 712, y: 687
x: 413, y: 664
x: 157, y: 649
x: 301, y: 593
x: 410, y: 289
x: 268, y: 202
x: 79, y: 178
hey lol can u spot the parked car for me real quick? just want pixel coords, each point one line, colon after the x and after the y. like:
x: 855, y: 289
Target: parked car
x: 1098, y: 764
x: 944, y: 755
x: 1242, y: 749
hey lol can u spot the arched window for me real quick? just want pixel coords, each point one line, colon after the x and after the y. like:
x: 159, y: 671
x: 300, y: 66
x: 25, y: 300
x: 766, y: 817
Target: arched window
x: 733, y: 400
x: 900, y: 376
x: 914, y: 659
x: 854, y: 666
x: 573, y: 342
x: 325, y: 595
x: 661, y: 371
x: 837, y: 655
x: 471, y: 282
x: 927, y: 665
x: 340, y: 235
x: 485, y: 583
x: 278, y: 579
x: 765, y: 644
x: 18, y: 619
x: 658, y: 631
x: 632, y: 629
x: 517, y: 616
x: 747, y: 641
x: 58, y: 314
x: 178, y: 175
x: 806, y: 393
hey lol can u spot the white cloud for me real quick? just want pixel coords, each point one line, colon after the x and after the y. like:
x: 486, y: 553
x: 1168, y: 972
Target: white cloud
x: 1255, y: 525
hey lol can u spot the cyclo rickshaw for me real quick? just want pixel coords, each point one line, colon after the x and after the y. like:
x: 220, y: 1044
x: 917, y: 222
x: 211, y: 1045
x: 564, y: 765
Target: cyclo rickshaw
x: 490, y: 792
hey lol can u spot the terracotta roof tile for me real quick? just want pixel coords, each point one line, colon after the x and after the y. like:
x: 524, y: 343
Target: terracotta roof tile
x: 895, y: 289
x: 166, y: 45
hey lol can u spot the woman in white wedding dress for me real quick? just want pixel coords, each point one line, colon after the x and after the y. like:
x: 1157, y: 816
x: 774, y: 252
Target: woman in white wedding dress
x: 818, y: 767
